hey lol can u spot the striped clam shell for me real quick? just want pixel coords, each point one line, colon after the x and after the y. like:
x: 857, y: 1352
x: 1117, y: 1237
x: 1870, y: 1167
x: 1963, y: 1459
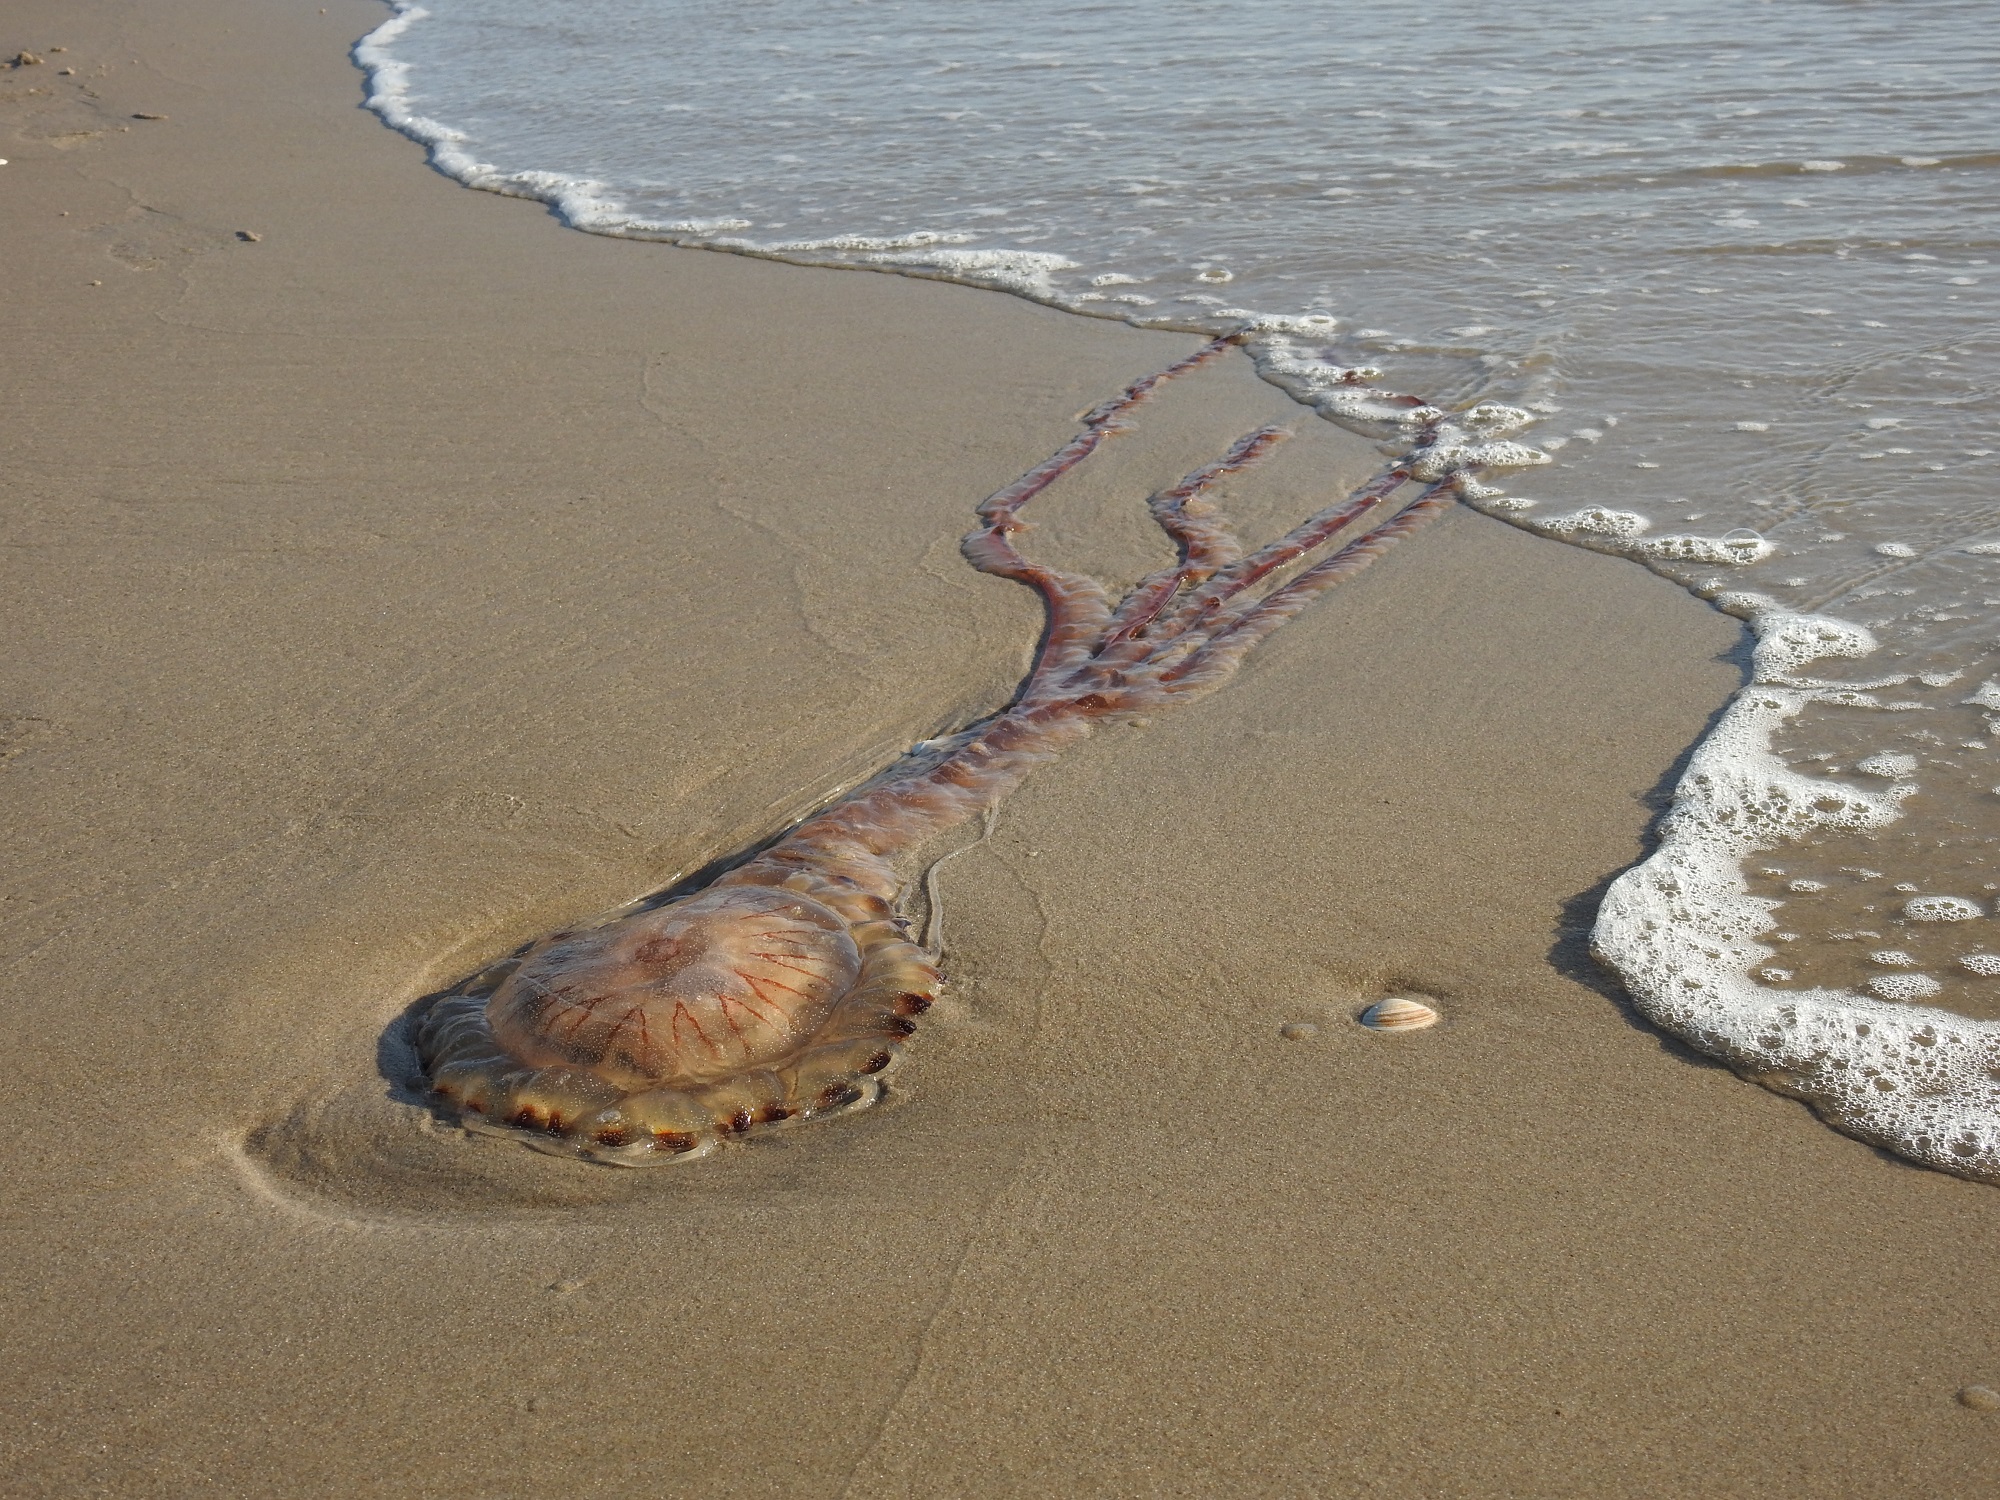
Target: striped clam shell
x: 1398, y: 1014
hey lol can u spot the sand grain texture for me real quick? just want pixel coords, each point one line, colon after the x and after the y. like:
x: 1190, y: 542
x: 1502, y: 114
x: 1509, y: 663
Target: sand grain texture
x: 417, y: 574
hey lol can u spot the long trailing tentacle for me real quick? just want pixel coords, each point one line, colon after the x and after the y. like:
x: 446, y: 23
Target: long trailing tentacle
x: 1239, y: 630
x: 1308, y: 535
x: 1077, y: 605
x: 1181, y: 630
x: 1206, y: 540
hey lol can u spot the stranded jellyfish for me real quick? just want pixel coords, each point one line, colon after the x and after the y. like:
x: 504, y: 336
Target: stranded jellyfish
x: 785, y: 988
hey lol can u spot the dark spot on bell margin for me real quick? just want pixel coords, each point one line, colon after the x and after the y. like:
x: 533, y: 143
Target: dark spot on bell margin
x: 613, y: 1135
x: 877, y: 1063
x: 836, y: 1094
x: 912, y: 1005
x: 675, y: 1141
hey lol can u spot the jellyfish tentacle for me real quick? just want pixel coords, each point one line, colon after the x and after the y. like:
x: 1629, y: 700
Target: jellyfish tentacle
x: 1069, y: 688
x: 1309, y: 534
x: 1207, y: 541
x: 1077, y: 605
x: 861, y: 836
x: 1238, y: 631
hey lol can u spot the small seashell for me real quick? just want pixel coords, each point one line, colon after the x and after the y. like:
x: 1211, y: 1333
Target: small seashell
x: 1397, y: 1014
x: 1979, y: 1398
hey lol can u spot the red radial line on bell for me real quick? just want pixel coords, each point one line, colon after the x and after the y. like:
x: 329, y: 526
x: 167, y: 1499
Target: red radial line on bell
x: 632, y: 1013
x: 749, y: 980
x: 584, y: 1010
x: 784, y: 1012
x: 681, y: 1012
x: 726, y: 1005
x: 779, y: 962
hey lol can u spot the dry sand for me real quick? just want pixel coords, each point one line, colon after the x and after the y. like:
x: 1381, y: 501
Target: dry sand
x: 421, y: 574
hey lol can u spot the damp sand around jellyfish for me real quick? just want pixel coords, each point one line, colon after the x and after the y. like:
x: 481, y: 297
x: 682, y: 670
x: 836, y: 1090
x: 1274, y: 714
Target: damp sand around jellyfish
x: 786, y: 988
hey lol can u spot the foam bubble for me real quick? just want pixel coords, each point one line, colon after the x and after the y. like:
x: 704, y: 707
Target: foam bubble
x: 1023, y: 271
x: 1895, y: 766
x: 1787, y: 641
x: 1941, y: 909
x: 1986, y: 965
x: 1738, y: 549
x: 1597, y: 520
x: 1904, y: 986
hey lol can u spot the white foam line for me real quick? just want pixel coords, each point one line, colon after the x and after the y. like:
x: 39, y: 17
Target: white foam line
x: 584, y: 203
x: 1680, y: 929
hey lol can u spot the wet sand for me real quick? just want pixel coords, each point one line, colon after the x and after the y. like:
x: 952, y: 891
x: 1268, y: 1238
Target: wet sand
x: 392, y: 586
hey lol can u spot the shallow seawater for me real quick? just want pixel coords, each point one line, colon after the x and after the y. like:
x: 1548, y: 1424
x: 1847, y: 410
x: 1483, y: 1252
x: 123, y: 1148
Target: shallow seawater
x: 1737, y: 259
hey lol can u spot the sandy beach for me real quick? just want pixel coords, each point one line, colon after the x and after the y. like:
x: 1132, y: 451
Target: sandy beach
x: 393, y: 574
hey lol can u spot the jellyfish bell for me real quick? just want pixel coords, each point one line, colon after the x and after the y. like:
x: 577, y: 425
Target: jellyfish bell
x: 659, y: 1033
x: 692, y: 992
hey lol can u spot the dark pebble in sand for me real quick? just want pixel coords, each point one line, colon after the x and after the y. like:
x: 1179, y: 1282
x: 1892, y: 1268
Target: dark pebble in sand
x: 1979, y: 1397
x: 1297, y: 1031
x: 148, y: 117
